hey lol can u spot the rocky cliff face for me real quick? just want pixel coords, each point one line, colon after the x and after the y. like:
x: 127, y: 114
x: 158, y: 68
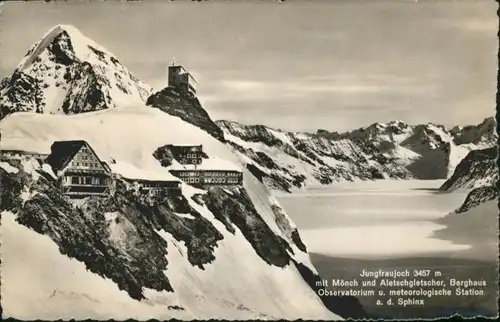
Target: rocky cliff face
x: 286, y: 160
x: 65, y: 72
x: 188, y: 108
x: 476, y: 197
x: 477, y: 171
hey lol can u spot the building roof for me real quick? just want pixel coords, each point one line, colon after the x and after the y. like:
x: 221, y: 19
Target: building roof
x: 62, y: 152
x: 185, y: 148
x: 130, y: 171
x: 20, y: 152
x: 177, y: 67
x: 182, y: 71
x: 210, y: 164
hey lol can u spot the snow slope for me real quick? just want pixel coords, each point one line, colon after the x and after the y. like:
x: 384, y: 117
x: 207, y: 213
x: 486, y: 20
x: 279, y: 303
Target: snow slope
x: 477, y: 227
x: 238, y: 284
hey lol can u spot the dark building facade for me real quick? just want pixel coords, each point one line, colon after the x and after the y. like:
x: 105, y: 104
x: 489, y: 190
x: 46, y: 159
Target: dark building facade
x: 79, y: 170
x: 188, y: 154
x: 181, y: 79
x: 156, y: 188
x: 209, y: 177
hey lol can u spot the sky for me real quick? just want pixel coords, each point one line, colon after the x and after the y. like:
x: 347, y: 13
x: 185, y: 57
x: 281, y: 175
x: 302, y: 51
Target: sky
x: 298, y: 65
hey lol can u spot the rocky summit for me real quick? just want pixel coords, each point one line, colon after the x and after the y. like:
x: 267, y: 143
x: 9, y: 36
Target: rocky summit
x: 66, y: 72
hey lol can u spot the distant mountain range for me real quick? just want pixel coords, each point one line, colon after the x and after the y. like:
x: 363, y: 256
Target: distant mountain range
x: 395, y: 150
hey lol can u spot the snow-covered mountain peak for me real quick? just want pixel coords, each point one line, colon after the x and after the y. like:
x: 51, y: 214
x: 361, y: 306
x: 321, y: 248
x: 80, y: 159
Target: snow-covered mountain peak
x: 71, y: 42
x: 67, y: 72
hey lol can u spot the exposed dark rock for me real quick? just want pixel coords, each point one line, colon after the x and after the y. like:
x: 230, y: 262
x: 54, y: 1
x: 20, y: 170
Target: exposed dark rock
x: 61, y: 47
x: 259, y: 174
x: 477, y: 165
x: 345, y: 306
x: 187, y: 108
x: 298, y: 241
x: 435, y: 156
x: 11, y: 188
x: 237, y: 208
x: 164, y: 155
x: 475, y: 134
x: 478, y: 196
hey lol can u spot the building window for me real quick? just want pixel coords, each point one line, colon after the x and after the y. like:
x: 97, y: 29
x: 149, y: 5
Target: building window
x: 74, y: 180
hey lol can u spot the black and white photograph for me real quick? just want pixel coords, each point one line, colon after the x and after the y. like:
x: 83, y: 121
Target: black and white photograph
x: 248, y: 160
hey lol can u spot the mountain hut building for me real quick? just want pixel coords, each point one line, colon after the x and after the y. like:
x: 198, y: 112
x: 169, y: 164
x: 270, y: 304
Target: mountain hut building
x: 79, y: 170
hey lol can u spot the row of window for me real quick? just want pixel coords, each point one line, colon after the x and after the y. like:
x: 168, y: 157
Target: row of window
x: 209, y: 174
x: 221, y: 174
x: 212, y: 180
x: 193, y: 156
x: 85, y: 157
x: 88, y: 180
x: 215, y: 180
x: 159, y: 185
x: 85, y: 164
x: 192, y: 161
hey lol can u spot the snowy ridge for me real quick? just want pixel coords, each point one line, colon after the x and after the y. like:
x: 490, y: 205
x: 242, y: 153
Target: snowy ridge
x: 288, y: 160
x: 477, y: 169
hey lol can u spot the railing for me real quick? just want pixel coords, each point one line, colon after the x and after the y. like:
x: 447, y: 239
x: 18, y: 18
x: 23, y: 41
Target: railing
x: 84, y: 193
x: 86, y: 171
x: 85, y: 185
